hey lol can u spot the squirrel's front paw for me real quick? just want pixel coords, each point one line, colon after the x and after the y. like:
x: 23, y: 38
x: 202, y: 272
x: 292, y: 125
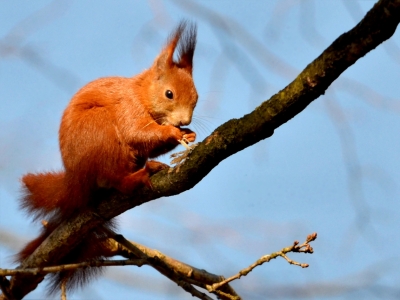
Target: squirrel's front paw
x: 188, y: 136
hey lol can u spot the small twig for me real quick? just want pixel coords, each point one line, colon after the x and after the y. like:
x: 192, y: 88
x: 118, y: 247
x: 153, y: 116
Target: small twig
x: 94, y: 263
x: 179, y: 157
x: 305, y: 247
x: 184, y: 144
x: 223, y: 295
x: 192, y: 290
x: 64, y: 289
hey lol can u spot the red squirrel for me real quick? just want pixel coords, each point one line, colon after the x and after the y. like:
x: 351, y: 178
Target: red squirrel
x: 109, y: 130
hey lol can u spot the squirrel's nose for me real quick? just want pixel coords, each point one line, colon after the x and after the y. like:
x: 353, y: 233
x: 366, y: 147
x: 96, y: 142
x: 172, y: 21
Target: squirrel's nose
x: 184, y: 122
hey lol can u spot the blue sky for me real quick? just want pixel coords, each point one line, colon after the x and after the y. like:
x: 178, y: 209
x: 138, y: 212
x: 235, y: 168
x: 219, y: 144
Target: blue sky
x: 333, y: 169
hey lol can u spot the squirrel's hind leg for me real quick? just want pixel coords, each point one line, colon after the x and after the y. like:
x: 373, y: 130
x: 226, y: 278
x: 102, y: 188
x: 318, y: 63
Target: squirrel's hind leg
x: 140, y: 178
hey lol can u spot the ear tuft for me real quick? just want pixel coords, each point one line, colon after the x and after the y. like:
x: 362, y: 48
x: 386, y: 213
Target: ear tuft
x: 186, y: 44
x: 183, y: 38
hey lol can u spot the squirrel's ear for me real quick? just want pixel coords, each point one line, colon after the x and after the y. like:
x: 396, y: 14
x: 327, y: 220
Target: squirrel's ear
x: 183, y: 37
x: 186, y: 46
x: 165, y: 60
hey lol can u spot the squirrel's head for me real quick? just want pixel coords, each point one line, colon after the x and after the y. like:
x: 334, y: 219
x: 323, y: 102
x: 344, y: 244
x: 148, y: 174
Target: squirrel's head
x: 173, y: 95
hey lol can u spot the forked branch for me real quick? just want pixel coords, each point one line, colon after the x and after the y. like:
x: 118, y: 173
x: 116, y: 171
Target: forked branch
x: 304, y: 247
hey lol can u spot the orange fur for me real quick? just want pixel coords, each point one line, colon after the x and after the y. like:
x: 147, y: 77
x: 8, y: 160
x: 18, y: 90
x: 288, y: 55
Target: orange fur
x: 109, y: 130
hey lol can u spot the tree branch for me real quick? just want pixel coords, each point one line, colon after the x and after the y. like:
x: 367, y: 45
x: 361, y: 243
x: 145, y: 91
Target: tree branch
x: 86, y: 264
x: 235, y: 135
x: 173, y: 269
x: 304, y: 247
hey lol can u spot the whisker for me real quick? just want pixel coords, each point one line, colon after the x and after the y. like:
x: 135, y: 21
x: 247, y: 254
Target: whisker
x: 210, y: 119
x: 199, y: 123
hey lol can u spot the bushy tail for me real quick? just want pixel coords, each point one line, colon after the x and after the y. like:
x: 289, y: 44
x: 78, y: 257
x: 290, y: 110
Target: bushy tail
x: 93, y: 247
x: 41, y: 196
x: 43, y: 193
x: 32, y: 245
x: 47, y: 195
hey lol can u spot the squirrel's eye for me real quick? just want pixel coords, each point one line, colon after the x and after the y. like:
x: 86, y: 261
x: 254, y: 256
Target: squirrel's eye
x: 169, y: 94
